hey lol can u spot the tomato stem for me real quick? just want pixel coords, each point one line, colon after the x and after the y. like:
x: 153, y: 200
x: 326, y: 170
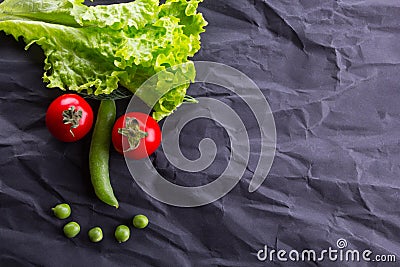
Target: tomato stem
x: 132, y: 132
x: 72, y: 116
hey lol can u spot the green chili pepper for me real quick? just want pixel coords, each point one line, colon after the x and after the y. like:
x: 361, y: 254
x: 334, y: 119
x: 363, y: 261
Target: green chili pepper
x: 99, y: 153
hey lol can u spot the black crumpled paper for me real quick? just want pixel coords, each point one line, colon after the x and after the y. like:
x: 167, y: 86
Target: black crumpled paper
x: 330, y: 72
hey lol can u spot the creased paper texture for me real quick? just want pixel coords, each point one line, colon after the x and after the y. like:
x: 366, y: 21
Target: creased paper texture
x: 330, y: 72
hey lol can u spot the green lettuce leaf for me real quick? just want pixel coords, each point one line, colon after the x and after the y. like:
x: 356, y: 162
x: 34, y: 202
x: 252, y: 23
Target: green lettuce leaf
x: 95, y: 49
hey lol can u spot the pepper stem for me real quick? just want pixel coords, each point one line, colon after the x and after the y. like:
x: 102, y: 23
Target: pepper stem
x: 72, y: 116
x: 132, y: 132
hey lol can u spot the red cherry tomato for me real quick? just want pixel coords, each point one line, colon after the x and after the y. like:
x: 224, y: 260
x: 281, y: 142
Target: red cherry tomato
x: 69, y: 118
x: 136, y: 135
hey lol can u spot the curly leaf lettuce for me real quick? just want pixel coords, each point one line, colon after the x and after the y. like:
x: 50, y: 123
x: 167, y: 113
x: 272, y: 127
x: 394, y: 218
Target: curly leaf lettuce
x: 95, y: 49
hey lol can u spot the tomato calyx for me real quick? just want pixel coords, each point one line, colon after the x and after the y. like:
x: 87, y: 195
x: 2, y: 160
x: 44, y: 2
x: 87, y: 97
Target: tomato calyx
x: 132, y: 132
x: 72, y: 116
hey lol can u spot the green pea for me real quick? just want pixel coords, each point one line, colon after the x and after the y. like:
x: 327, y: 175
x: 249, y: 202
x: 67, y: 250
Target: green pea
x: 140, y: 221
x: 62, y: 211
x: 95, y: 234
x: 122, y: 233
x: 71, y: 229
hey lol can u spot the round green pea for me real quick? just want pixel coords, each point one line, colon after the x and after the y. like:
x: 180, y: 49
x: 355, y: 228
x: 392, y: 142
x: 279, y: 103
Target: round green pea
x: 95, y: 234
x: 62, y: 211
x: 140, y: 221
x: 122, y: 233
x: 71, y: 229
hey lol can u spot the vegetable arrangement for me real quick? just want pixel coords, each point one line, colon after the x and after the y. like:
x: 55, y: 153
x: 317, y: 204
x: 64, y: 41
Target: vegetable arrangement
x: 95, y: 50
x: 95, y: 234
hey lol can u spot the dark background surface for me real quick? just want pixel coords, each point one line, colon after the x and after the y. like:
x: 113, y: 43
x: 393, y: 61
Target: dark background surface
x: 330, y: 72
